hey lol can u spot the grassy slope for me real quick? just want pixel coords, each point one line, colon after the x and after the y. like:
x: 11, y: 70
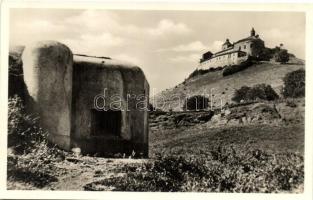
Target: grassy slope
x: 199, y: 139
x: 268, y: 73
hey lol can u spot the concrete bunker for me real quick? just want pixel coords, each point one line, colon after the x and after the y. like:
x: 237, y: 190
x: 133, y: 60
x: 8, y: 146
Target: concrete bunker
x: 94, y: 103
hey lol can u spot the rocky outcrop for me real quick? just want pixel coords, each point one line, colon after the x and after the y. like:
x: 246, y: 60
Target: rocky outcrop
x: 169, y: 120
x: 241, y: 115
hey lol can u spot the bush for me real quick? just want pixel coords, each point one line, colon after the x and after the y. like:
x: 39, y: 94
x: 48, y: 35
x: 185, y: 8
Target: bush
x: 259, y: 91
x: 197, y: 102
x: 236, y: 68
x: 266, y: 54
x: 36, y: 168
x: 31, y: 159
x: 294, y: 84
x: 24, y: 133
x: 241, y: 94
x: 224, y: 169
x: 198, y: 72
x: 16, y: 81
x: 282, y: 56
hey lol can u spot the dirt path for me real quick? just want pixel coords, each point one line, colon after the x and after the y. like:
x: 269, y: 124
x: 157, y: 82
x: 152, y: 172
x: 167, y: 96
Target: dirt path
x: 75, y: 173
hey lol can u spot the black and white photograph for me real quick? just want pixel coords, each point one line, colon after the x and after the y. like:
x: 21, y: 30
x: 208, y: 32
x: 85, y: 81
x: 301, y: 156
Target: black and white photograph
x: 156, y: 100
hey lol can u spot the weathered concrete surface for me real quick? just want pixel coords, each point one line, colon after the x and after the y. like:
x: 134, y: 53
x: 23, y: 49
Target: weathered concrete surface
x: 47, y: 67
x: 62, y: 88
x: 115, y: 82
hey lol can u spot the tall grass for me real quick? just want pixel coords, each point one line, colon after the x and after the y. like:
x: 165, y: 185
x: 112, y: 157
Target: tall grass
x: 31, y: 159
x: 223, y: 169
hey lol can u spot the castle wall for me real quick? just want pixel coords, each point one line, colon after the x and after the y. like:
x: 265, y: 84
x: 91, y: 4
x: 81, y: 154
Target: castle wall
x: 244, y: 46
x: 223, y: 60
x: 251, y: 47
x: 47, y: 70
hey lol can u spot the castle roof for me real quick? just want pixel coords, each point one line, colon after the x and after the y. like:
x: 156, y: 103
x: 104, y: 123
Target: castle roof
x: 224, y: 50
x: 247, y: 39
x: 227, y: 42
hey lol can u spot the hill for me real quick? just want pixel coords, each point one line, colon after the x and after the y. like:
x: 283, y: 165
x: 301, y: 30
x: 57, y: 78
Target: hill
x: 224, y: 87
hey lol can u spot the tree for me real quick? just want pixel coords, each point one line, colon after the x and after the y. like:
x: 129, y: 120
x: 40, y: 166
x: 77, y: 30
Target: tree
x: 282, y: 56
x: 259, y: 91
x: 241, y: 94
x: 197, y: 102
x: 294, y: 84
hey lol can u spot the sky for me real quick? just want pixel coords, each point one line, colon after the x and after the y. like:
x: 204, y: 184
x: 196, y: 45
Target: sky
x: 167, y: 45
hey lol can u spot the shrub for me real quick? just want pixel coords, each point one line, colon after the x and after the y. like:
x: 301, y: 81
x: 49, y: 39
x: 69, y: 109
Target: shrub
x: 294, y: 84
x: 236, y: 68
x: 24, y: 133
x: 266, y: 54
x: 197, y: 102
x: 281, y: 56
x: 16, y: 81
x: 198, y: 72
x: 36, y: 168
x: 224, y: 169
x: 241, y: 94
x: 31, y: 160
x: 259, y: 91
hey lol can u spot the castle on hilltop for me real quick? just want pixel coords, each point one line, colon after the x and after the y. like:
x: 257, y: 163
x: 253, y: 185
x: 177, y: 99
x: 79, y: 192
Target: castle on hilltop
x: 233, y: 53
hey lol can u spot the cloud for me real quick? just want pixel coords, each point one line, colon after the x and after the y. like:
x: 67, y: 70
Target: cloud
x: 196, y: 46
x: 94, y: 20
x: 166, y: 26
x: 192, y: 46
x: 104, y: 39
x: 93, y: 26
x: 215, y: 46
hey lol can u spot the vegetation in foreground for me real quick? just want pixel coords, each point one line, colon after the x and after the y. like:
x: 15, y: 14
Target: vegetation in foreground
x: 189, y: 159
x: 31, y: 159
x: 223, y: 169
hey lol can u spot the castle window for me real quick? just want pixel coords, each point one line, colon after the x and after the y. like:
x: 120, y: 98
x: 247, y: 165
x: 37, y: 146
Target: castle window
x: 251, y: 45
x: 244, y: 46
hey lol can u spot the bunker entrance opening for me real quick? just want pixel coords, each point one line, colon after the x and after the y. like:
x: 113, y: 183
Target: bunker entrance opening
x: 105, y: 123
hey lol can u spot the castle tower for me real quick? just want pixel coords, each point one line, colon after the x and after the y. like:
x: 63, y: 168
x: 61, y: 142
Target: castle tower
x: 252, y: 32
x: 226, y: 44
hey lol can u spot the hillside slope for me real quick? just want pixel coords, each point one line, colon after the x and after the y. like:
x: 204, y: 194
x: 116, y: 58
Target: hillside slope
x: 223, y: 87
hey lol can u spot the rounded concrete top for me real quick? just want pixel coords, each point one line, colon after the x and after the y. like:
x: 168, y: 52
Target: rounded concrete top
x: 105, y: 62
x: 43, y: 44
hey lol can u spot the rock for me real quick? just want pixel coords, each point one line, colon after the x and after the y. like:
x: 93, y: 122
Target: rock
x: 227, y: 112
x: 76, y: 151
x: 10, y: 151
x: 74, y: 160
x: 244, y: 120
x: 234, y: 122
x: 205, y: 117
